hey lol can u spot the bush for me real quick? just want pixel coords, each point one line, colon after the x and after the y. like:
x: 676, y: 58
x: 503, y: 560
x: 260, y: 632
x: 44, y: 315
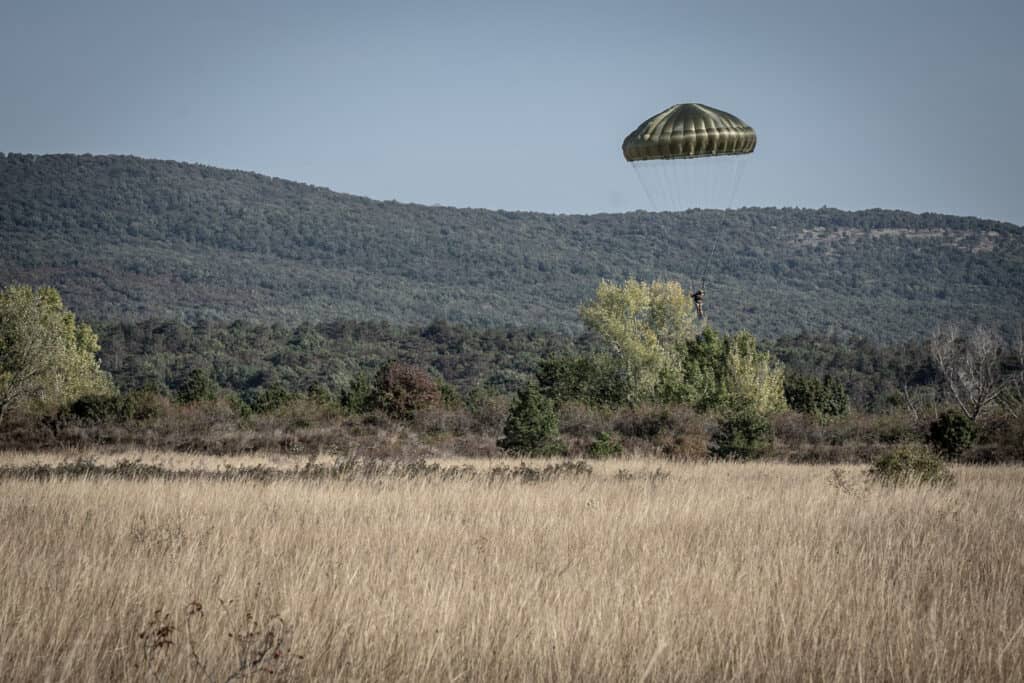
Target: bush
x: 1006, y: 441
x: 532, y: 425
x: 196, y: 386
x: 910, y: 463
x: 593, y: 379
x: 604, y: 445
x: 357, y: 398
x: 743, y: 435
x: 321, y: 395
x: 133, y: 405
x: 269, y: 399
x: 806, y: 394
x: 644, y: 423
x: 952, y: 434
x: 96, y: 408
x: 400, y: 389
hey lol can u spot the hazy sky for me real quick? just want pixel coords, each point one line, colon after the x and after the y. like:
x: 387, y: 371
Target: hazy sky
x: 524, y: 104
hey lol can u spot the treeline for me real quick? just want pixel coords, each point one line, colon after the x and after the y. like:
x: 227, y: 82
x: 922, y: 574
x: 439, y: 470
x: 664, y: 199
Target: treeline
x: 123, y: 237
x: 246, y: 357
x: 249, y: 356
x: 650, y: 377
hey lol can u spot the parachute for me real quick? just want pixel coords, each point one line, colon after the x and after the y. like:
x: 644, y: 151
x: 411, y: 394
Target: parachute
x: 687, y: 131
x: 690, y: 156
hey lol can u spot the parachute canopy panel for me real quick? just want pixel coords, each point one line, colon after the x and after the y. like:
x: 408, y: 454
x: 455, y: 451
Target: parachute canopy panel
x: 687, y: 131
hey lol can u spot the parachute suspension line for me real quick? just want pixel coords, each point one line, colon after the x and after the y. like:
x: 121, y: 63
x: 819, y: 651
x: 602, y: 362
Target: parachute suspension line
x: 648, y: 177
x: 707, y: 261
x: 739, y: 166
x: 643, y: 183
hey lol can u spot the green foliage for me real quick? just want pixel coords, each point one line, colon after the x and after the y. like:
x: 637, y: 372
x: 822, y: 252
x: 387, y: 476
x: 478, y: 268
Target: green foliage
x: 321, y: 395
x: 642, y: 323
x: 47, y: 359
x: 196, y: 387
x: 133, y: 405
x: 248, y: 355
x: 605, y: 445
x: 952, y: 434
x: 400, y: 389
x: 910, y: 463
x: 808, y: 394
x: 742, y: 435
x: 653, y: 335
x: 718, y: 372
x: 191, y: 242
x: 532, y: 425
x: 876, y: 377
x: 358, y: 395
x: 594, y: 379
x: 269, y: 399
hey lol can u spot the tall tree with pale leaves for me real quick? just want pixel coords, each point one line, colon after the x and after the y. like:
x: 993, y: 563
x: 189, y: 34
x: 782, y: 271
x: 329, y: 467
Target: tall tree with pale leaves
x: 643, y: 323
x: 47, y: 358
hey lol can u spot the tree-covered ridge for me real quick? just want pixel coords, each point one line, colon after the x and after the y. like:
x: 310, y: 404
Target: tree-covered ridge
x: 129, y: 238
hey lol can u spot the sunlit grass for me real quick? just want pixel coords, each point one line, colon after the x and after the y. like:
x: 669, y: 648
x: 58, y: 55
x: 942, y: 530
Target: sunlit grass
x: 718, y: 571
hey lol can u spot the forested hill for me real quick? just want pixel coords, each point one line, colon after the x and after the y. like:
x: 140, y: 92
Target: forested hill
x: 129, y: 238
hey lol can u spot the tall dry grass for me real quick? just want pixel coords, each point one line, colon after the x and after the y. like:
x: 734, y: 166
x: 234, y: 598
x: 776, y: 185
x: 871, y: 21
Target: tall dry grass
x: 720, y: 571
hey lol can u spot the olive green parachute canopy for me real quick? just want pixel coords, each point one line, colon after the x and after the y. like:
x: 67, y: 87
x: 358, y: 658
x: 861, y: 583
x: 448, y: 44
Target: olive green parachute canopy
x: 687, y: 131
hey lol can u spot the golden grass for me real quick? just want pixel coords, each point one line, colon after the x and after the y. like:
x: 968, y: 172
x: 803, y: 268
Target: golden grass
x: 721, y: 571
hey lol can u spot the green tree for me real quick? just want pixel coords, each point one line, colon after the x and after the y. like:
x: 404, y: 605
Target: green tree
x: 952, y: 434
x: 642, y: 323
x: 532, y: 425
x: 594, y: 379
x: 197, y: 386
x: 718, y: 372
x: 808, y: 394
x: 744, y: 435
x: 753, y: 378
x: 47, y: 359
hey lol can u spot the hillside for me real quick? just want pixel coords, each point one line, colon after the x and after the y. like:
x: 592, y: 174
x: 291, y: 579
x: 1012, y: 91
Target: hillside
x: 129, y: 238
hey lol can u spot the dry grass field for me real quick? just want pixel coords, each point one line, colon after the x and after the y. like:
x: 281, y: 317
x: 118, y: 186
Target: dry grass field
x: 715, y: 572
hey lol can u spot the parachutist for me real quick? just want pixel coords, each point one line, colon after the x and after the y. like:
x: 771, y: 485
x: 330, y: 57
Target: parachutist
x: 698, y: 302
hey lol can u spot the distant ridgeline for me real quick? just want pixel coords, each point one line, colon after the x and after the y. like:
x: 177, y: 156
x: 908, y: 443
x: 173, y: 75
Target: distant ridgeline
x: 125, y: 238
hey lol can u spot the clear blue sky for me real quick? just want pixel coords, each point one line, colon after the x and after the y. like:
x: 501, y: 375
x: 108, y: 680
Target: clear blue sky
x: 523, y: 105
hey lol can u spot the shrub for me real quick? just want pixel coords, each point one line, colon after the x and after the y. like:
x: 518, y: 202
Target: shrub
x: 357, y: 398
x: 400, y: 389
x: 488, y: 410
x: 593, y: 379
x: 321, y: 395
x: 743, y: 435
x: 196, y: 386
x: 910, y: 463
x: 645, y: 424
x: 604, y: 445
x: 269, y: 399
x: 532, y: 425
x: 807, y: 394
x: 133, y: 405
x: 1006, y: 440
x: 96, y: 408
x: 952, y: 434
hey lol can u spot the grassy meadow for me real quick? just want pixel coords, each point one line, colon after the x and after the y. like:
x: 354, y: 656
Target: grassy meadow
x: 642, y: 570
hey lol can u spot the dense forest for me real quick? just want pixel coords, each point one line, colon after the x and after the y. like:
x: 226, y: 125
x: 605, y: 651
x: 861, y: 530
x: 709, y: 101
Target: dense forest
x: 125, y: 238
x: 249, y: 358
